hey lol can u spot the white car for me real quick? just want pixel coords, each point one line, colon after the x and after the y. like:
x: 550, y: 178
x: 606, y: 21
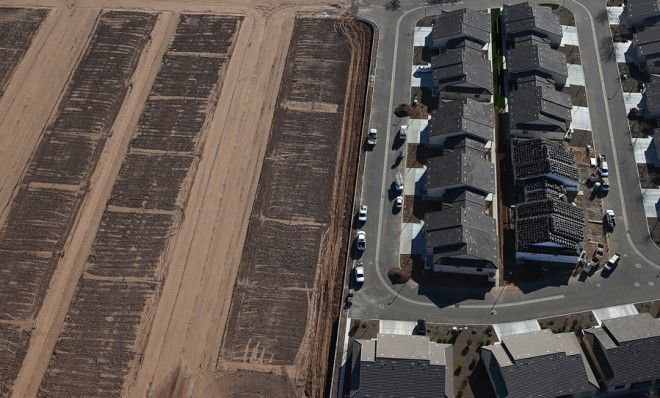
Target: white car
x: 361, y: 240
x: 362, y: 215
x: 398, y: 202
x: 603, y: 170
x: 611, y: 263
x: 359, y: 274
x: 372, y: 137
x: 403, y: 133
x: 398, y: 183
x: 587, y: 267
x: 599, y: 253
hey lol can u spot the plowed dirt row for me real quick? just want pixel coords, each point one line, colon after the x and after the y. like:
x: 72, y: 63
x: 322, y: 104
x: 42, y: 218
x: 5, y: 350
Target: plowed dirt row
x: 281, y: 307
x: 177, y: 348
x: 35, y: 229
x: 123, y: 267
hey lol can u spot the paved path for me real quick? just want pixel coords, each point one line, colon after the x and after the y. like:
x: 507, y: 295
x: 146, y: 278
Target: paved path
x: 636, y: 278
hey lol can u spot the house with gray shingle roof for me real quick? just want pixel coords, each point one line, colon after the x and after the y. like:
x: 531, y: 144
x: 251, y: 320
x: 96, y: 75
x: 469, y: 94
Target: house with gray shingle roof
x: 656, y: 143
x: 539, y: 111
x: 462, y: 239
x: 463, y: 165
x: 538, y: 364
x: 626, y: 350
x: 463, y: 72
x: 536, y: 158
x: 400, y: 365
x: 524, y: 19
x: 451, y: 27
x: 650, y: 104
x: 647, y: 48
x: 638, y: 13
x: 532, y: 81
x: 469, y: 118
x: 537, y: 59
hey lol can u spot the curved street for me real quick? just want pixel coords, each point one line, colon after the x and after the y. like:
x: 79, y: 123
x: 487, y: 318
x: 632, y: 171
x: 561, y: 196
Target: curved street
x: 637, y: 278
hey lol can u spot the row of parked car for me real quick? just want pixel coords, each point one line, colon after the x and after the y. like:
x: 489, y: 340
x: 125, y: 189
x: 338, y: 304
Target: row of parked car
x: 397, y: 185
x: 594, y: 263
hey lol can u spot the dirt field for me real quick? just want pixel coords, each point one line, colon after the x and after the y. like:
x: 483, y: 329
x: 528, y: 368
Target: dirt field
x: 295, y: 236
x: 140, y: 216
x: 125, y: 200
x: 34, y: 230
x: 18, y: 26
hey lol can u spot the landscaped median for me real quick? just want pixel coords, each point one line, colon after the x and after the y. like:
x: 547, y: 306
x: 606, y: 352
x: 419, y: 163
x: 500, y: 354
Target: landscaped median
x: 498, y: 58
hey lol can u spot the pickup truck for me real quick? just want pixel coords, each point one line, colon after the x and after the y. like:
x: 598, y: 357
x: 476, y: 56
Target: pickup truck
x: 610, y: 220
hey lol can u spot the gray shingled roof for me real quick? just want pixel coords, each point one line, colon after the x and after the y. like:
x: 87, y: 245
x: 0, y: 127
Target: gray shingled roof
x: 468, y: 23
x: 466, y: 166
x: 523, y: 18
x: 470, y: 116
x: 530, y: 104
x: 647, y: 42
x: 463, y: 65
x: 533, y: 81
x: 459, y: 230
x: 398, y: 365
x: 643, y: 8
x: 528, y: 40
x: 632, y: 348
x: 651, y: 95
x: 537, y: 58
x: 464, y: 198
x: 536, y: 157
x: 539, y: 364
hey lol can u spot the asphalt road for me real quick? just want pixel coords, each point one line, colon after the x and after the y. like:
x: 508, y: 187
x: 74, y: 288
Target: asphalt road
x: 637, y: 278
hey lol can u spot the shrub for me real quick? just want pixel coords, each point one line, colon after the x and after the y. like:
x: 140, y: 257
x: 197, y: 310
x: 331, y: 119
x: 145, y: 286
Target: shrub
x: 393, y: 5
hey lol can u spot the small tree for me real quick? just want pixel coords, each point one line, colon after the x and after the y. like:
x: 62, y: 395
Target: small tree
x: 393, y: 5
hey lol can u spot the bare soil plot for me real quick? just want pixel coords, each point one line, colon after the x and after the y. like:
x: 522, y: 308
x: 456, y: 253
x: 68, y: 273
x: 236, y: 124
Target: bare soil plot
x: 18, y: 26
x: 14, y: 344
x: 469, y: 372
x: 291, y: 207
x: 294, y: 239
x: 35, y: 229
x: 143, y: 209
x: 652, y: 307
x: 569, y: 323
